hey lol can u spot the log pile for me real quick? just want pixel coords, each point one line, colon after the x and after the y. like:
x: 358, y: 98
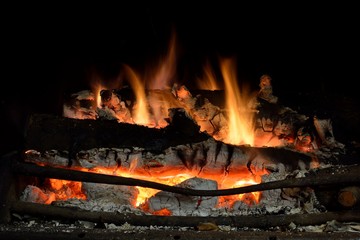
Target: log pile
x: 187, y: 136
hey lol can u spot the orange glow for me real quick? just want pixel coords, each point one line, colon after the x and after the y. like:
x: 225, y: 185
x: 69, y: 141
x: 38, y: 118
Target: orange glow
x: 208, y: 81
x: 140, y: 114
x: 65, y: 189
x: 162, y: 212
x: 146, y: 193
x: 240, y: 118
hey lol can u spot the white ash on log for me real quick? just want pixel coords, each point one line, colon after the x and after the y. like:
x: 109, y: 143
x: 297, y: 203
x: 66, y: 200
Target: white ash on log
x: 206, y: 157
x: 184, y: 205
x: 81, y: 105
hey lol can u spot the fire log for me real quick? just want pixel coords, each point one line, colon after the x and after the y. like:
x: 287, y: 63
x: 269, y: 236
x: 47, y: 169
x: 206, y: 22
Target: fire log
x: 338, y: 175
x: 349, y: 196
x: 173, y: 146
x: 263, y: 221
x: 46, y: 132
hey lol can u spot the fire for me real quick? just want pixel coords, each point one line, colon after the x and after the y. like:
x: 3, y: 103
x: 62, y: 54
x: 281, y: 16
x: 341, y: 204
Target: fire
x: 240, y: 118
x: 65, y: 189
x: 96, y: 89
x: 208, y: 81
x: 141, y: 114
x: 240, y: 128
x: 161, y: 75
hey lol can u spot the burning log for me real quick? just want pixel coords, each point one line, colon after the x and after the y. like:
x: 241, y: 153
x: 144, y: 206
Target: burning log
x: 320, y: 177
x: 119, y: 144
x: 46, y: 132
x: 276, y: 125
x: 192, y: 221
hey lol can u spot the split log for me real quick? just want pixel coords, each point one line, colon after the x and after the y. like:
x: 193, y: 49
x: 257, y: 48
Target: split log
x: 262, y: 221
x: 344, y: 175
x: 178, y: 145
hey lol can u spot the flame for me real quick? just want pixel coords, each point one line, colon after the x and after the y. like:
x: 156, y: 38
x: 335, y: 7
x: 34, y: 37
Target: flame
x: 96, y: 88
x: 141, y: 114
x: 240, y: 119
x: 208, y: 81
x: 165, y: 72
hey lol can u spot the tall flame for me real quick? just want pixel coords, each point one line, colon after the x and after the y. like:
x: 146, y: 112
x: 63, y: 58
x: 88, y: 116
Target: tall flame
x: 141, y: 114
x: 159, y: 78
x: 166, y: 69
x: 240, y: 119
x: 208, y: 80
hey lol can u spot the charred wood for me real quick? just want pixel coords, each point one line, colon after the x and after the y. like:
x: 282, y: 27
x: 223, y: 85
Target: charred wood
x: 179, y: 144
x: 46, y: 132
x: 49, y: 211
x: 339, y: 197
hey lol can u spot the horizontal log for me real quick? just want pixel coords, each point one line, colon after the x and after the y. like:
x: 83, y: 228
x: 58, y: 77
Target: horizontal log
x: 259, y: 221
x: 334, y: 176
x: 47, y: 132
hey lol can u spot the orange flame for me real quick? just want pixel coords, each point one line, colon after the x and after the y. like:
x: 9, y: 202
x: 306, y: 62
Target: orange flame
x: 208, y: 81
x: 165, y: 72
x: 240, y: 119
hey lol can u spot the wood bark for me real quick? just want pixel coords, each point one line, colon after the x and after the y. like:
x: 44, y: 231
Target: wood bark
x: 262, y: 221
x: 46, y: 132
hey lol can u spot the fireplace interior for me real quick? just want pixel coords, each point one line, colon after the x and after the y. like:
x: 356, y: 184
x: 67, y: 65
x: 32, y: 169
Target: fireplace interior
x: 216, y: 138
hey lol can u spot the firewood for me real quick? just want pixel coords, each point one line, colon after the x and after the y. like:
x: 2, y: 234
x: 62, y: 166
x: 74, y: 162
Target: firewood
x: 47, y: 132
x: 180, y: 143
x: 333, y: 176
x: 259, y: 221
x: 349, y: 196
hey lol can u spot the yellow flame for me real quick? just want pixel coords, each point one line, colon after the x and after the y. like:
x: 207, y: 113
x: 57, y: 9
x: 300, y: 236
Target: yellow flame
x: 141, y: 114
x: 240, y: 118
x: 96, y: 88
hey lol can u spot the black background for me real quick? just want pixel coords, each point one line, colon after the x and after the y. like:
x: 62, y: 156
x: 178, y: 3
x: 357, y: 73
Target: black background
x: 310, y: 50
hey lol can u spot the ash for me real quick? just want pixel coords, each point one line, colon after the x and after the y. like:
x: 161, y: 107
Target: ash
x: 29, y: 224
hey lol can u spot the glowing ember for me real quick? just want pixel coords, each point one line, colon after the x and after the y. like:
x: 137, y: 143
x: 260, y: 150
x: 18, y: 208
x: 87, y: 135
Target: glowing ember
x: 64, y: 189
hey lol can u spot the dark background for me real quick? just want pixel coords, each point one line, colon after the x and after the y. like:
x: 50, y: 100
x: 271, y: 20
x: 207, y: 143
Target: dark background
x: 311, y: 52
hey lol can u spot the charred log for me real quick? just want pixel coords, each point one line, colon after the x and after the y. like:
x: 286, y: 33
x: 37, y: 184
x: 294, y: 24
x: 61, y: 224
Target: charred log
x: 265, y: 221
x: 46, y: 132
x: 67, y: 140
